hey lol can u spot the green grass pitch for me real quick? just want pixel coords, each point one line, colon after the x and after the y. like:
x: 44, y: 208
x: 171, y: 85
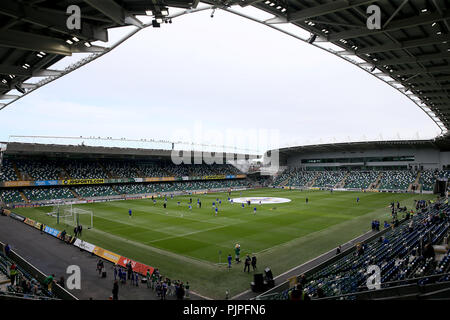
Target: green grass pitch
x: 186, y: 244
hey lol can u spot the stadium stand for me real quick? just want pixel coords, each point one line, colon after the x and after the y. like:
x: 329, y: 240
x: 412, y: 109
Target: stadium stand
x: 39, y: 170
x: 94, y: 191
x: 397, y: 179
x: 328, y: 179
x: 10, y: 196
x: 25, y: 286
x: 85, y: 170
x: 361, y: 179
x: 7, y: 172
x: 121, y: 169
x: 39, y: 194
x: 403, y: 253
x: 295, y: 177
x: 428, y: 178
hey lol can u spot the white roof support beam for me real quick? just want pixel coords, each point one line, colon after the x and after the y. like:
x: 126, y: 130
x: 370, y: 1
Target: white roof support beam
x: 8, y: 96
x: 46, y: 73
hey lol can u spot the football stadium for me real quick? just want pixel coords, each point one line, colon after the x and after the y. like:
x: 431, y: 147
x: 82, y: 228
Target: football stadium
x: 92, y: 218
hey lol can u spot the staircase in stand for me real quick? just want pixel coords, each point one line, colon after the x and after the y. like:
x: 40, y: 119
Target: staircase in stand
x: 76, y: 195
x: 313, y: 181
x: 341, y: 183
x: 415, y: 183
x: 16, y: 170
x: 108, y: 174
x: 24, y: 197
x: 375, y: 185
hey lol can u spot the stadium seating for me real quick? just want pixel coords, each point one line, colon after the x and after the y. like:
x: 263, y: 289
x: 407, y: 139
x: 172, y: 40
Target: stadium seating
x: 397, y: 179
x: 295, y: 177
x: 40, y: 194
x: 85, y: 170
x: 95, y: 191
x: 121, y: 169
x: 39, y: 170
x: 10, y: 196
x: 361, y: 179
x: 7, y: 172
x: 32, y: 169
x: 328, y: 179
x: 25, y: 285
x: 428, y: 178
x: 399, y: 256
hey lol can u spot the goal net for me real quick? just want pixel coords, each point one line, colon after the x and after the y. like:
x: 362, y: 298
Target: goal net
x: 83, y: 217
x: 72, y: 216
x: 61, y: 212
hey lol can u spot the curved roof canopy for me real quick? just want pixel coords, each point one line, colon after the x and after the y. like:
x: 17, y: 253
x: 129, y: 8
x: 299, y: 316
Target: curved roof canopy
x: 410, y: 50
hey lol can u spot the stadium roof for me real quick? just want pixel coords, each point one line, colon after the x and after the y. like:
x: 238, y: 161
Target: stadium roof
x: 437, y: 144
x: 19, y: 149
x: 411, y: 51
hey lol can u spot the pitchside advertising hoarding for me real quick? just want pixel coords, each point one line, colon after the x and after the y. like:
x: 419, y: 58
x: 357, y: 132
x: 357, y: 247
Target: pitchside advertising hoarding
x: 70, y: 182
x: 83, y: 181
x: 98, y: 251
x: 46, y: 183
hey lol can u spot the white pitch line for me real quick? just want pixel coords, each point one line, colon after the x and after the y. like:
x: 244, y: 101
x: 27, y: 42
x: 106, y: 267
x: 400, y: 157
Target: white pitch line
x: 190, y: 233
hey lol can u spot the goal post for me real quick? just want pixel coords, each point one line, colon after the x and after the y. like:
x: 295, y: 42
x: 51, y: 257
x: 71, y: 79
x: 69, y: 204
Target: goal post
x: 61, y: 211
x: 72, y: 216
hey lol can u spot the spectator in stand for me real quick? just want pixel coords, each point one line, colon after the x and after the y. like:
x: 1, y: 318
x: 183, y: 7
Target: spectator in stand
x: 298, y: 294
x: 49, y: 282
x: 13, y: 273
x: 7, y: 249
x: 338, y: 250
x: 428, y: 251
x: 61, y: 282
x: 302, y: 280
x: 320, y: 293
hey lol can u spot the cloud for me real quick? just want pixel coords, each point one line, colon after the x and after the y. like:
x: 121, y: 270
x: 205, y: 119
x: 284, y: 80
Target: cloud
x: 228, y: 74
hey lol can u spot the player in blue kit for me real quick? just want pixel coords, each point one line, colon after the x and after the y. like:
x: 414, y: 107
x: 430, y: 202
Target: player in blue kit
x: 217, y: 210
x: 254, y: 210
x: 129, y: 213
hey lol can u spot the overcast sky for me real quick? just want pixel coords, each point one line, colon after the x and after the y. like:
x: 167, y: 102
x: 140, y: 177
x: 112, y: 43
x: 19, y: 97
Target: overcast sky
x: 218, y: 76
